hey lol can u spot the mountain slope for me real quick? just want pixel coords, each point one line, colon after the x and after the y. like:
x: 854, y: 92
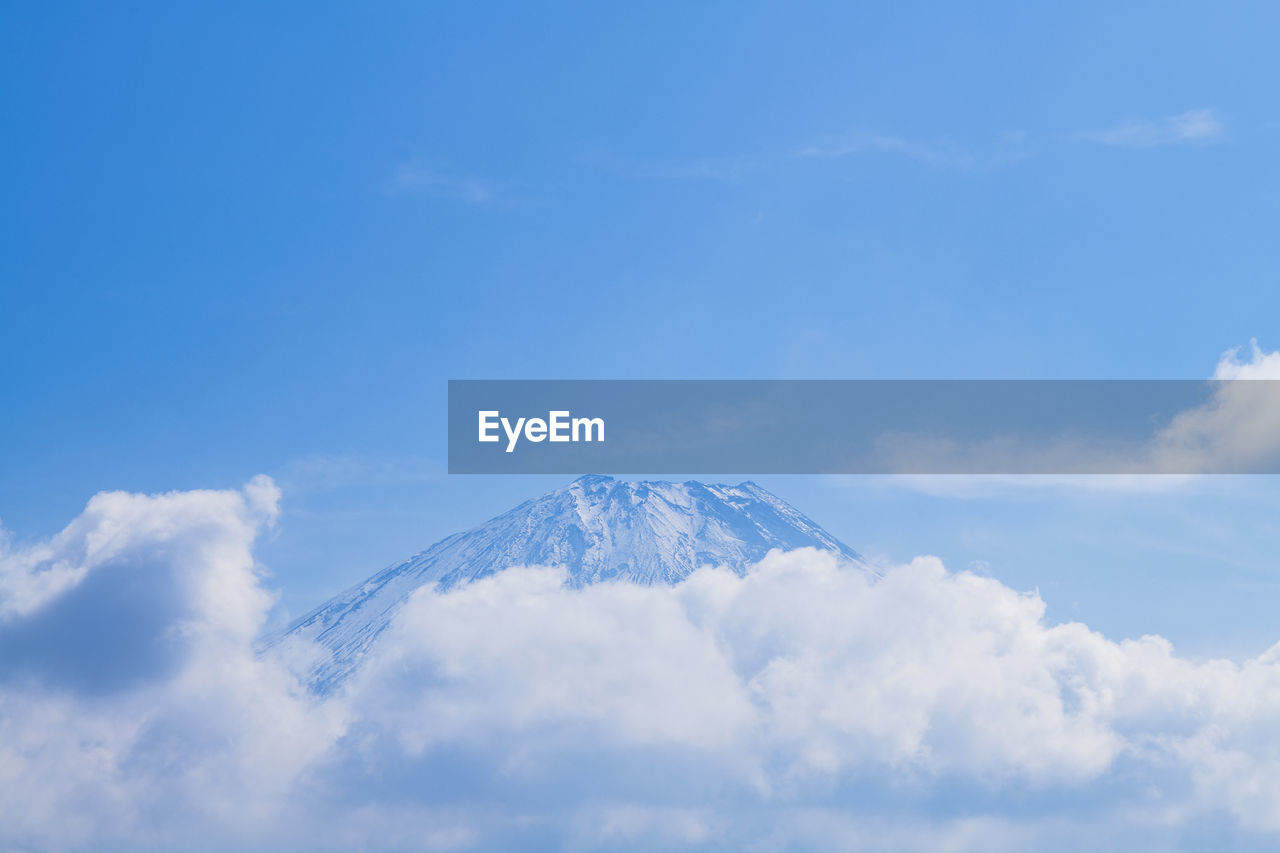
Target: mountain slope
x: 597, y: 528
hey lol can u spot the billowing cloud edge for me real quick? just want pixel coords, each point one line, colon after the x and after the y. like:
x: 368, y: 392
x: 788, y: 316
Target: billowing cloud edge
x: 802, y: 703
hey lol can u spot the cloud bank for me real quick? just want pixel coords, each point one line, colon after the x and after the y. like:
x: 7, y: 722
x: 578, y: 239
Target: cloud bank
x: 802, y: 705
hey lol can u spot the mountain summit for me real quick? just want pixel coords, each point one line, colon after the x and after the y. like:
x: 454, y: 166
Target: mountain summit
x: 597, y: 529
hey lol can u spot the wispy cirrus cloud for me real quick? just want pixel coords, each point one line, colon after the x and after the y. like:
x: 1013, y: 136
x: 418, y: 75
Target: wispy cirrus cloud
x: 417, y: 178
x: 945, y: 153
x: 1193, y: 126
x: 1201, y: 125
x: 727, y: 168
x: 938, y: 153
x: 862, y: 142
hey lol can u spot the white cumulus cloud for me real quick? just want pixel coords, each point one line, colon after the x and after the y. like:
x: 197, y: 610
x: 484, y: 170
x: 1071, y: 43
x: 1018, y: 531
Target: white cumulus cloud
x: 802, y: 704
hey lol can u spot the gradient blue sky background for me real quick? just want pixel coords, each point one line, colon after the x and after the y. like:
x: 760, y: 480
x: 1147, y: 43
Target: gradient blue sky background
x: 248, y: 238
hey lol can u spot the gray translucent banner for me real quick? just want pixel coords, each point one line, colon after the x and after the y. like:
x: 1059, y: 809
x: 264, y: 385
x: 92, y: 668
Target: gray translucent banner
x: 864, y: 427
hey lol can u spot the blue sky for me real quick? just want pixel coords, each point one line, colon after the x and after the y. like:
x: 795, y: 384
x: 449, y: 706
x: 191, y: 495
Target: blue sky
x: 245, y: 239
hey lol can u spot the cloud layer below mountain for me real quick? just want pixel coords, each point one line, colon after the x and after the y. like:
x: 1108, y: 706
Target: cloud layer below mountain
x: 802, y: 704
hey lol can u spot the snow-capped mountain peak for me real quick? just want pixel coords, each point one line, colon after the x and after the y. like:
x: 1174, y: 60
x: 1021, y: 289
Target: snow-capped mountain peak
x: 596, y: 528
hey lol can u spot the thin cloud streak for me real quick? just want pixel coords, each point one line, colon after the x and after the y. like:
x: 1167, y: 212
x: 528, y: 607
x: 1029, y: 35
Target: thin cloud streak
x: 715, y: 169
x: 1192, y: 126
x: 415, y: 178
x: 931, y: 153
x: 1010, y: 148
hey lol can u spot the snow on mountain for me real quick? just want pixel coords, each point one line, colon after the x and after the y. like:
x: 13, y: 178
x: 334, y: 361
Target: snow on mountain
x: 597, y: 528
